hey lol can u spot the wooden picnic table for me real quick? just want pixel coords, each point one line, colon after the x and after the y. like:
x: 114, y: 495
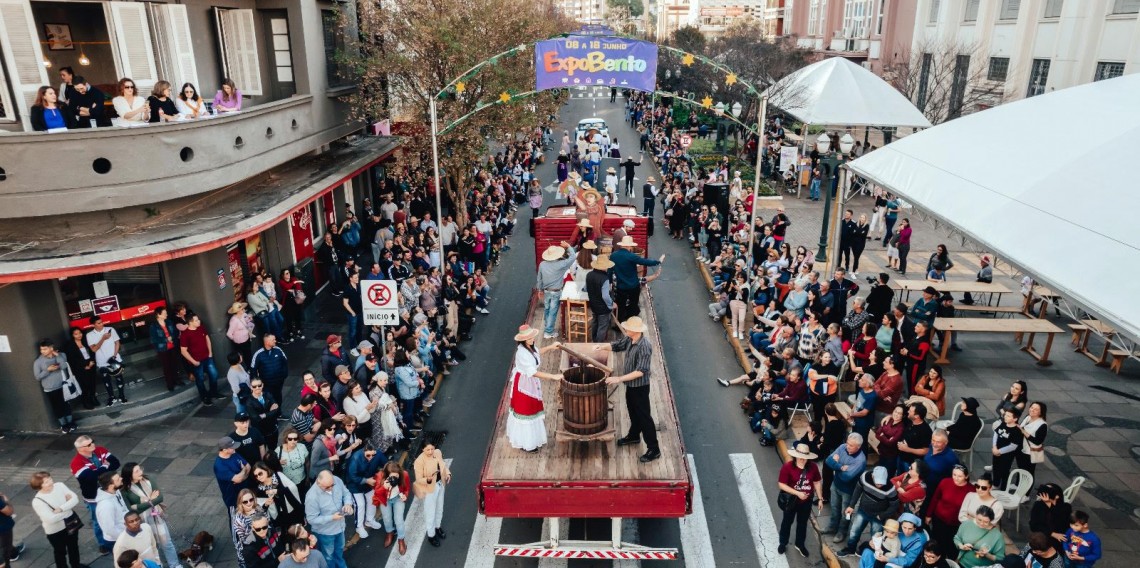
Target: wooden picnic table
x: 987, y: 325
x: 958, y: 286
x: 1101, y: 328
x: 1045, y: 294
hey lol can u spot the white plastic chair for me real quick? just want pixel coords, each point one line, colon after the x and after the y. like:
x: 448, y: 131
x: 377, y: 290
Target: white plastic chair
x: 1016, y: 493
x: 951, y: 563
x: 799, y: 408
x: 1074, y: 489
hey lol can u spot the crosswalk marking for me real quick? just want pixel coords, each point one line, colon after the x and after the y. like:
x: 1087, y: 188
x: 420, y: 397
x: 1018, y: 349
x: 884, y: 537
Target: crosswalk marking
x: 695, y: 540
x: 484, y: 537
x: 563, y: 534
x: 415, y: 533
x: 760, y: 520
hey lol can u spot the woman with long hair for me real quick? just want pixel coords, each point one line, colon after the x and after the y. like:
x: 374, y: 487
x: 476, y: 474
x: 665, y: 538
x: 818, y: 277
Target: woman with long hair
x: 189, y: 102
x: 146, y: 499
x: 130, y: 105
x: 526, y: 424
x: 293, y: 457
x: 293, y: 304
x: 81, y: 360
x: 393, y: 485
x: 284, y: 502
x: 945, y: 503
x: 885, y: 336
x: 932, y: 385
x: 1034, y: 428
x: 228, y: 97
x: 386, y: 429
x: 48, y: 114
x: 242, y: 525
x: 162, y: 107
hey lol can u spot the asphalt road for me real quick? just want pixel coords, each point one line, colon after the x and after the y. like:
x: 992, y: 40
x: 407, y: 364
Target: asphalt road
x: 712, y: 426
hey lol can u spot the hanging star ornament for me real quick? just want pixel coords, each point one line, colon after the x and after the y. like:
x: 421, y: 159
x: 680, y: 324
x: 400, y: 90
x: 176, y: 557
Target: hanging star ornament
x: 504, y: 97
x: 687, y: 59
x: 707, y: 102
x: 460, y: 87
x: 730, y: 79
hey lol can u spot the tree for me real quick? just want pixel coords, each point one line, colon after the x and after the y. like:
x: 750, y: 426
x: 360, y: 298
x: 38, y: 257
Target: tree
x: 947, y: 79
x: 417, y: 47
x: 635, y: 7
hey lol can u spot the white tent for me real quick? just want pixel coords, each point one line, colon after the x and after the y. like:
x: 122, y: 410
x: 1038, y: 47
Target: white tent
x: 1046, y: 182
x: 837, y: 92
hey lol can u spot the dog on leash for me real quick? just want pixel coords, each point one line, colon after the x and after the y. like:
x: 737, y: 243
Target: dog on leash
x: 195, y: 556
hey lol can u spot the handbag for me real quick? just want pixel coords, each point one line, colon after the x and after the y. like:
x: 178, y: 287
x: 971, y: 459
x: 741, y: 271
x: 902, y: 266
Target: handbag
x: 299, y: 296
x: 786, y: 501
x: 71, y: 388
x: 71, y: 524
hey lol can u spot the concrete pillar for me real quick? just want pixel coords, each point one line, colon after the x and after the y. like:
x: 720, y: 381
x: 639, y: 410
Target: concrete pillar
x: 32, y: 311
x: 194, y: 280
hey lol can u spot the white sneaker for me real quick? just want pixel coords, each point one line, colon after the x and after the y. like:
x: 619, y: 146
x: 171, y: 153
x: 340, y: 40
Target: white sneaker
x: 549, y: 335
x: 373, y: 525
x: 362, y: 532
x: 484, y: 311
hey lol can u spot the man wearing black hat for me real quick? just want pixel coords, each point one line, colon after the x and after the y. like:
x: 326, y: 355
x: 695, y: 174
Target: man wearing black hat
x: 946, y: 310
x: 926, y: 308
x: 963, y: 430
x: 250, y: 442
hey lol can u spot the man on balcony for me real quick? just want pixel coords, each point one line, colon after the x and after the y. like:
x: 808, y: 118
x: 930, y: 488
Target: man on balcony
x: 85, y: 103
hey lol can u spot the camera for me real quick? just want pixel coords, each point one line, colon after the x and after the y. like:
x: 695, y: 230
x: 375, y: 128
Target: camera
x: 873, y: 280
x: 393, y: 481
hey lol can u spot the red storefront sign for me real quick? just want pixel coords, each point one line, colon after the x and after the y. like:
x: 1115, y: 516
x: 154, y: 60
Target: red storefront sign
x: 117, y: 314
x: 301, y: 225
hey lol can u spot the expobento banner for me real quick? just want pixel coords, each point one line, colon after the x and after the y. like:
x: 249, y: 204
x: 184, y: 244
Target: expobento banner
x: 591, y: 60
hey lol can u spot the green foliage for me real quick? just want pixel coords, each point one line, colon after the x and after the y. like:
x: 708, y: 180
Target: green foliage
x: 635, y: 7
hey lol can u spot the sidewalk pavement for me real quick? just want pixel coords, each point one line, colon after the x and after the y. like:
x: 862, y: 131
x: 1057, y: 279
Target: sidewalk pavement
x: 1094, y: 430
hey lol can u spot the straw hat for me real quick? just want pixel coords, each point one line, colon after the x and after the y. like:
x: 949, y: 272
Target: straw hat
x: 634, y: 324
x: 627, y: 241
x: 802, y: 451
x: 575, y: 175
x: 526, y: 332
x: 553, y: 252
x: 651, y: 179
x: 593, y: 147
x: 591, y: 191
x: 589, y: 245
x: 237, y: 308
x: 603, y: 262
x: 891, y: 525
x: 611, y: 170
x: 585, y: 223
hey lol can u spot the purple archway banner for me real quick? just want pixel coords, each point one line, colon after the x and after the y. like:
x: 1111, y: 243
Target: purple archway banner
x: 591, y: 60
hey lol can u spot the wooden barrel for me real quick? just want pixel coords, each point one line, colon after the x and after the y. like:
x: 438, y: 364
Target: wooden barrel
x: 584, y: 400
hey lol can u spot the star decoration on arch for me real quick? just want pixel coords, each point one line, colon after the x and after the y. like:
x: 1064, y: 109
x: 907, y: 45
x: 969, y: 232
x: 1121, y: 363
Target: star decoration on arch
x: 730, y: 79
x: 707, y: 102
x: 688, y: 59
x: 460, y: 87
x: 504, y: 97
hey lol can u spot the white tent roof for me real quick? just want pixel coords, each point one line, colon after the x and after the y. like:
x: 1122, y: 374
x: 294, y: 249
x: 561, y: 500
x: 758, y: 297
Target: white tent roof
x: 1046, y: 182
x: 837, y: 92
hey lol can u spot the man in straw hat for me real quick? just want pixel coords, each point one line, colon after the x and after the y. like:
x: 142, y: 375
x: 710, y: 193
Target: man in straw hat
x: 556, y: 260
x: 628, y: 281
x: 611, y: 186
x: 635, y: 375
x: 599, y: 291
x: 799, y: 478
x: 649, y: 193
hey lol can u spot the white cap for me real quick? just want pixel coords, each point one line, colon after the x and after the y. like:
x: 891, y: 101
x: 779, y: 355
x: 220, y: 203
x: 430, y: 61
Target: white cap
x: 627, y: 223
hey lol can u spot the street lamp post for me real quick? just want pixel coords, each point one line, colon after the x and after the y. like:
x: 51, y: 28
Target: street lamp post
x: 831, y: 162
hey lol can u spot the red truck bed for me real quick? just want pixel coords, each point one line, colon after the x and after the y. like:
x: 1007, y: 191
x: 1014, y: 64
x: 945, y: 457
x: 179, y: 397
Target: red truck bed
x: 558, y: 223
x: 589, y: 479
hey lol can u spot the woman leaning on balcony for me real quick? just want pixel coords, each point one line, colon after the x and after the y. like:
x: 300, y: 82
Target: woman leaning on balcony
x: 228, y: 98
x: 47, y: 114
x: 130, y: 107
x: 189, y: 102
x: 161, y: 103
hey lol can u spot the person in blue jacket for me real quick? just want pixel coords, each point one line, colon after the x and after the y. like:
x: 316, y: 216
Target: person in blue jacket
x: 912, y: 540
x: 359, y: 478
x: 848, y: 462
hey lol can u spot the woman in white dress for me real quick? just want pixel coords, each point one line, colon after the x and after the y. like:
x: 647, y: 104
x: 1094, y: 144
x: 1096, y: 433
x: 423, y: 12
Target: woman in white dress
x: 385, y: 426
x: 131, y: 107
x: 526, y: 423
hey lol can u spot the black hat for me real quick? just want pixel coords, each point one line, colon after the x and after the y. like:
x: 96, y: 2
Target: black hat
x: 241, y: 417
x: 947, y: 297
x: 971, y: 404
x: 930, y: 290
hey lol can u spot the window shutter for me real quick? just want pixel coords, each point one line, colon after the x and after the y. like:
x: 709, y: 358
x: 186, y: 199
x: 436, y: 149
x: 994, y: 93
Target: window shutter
x: 20, y: 44
x: 176, y: 51
x: 134, y: 52
x: 239, y: 50
x: 1009, y: 9
x: 971, y: 11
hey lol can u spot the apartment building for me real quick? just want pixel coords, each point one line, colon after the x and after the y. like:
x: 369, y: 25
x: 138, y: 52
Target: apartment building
x: 585, y: 11
x: 1022, y: 48
x: 873, y: 33
x: 118, y: 221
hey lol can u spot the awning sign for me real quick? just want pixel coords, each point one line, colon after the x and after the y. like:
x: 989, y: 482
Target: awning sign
x: 595, y: 60
x: 107, y: 305
x: 380, y: 304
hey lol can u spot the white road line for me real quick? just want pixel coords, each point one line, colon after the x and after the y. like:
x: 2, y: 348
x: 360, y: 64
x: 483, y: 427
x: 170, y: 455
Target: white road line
x: 484, y: 537
x: 563, y: 534
x: 415, y: 533
x: 695, y: 540
x: 631, y: 533
x: 760, y: 520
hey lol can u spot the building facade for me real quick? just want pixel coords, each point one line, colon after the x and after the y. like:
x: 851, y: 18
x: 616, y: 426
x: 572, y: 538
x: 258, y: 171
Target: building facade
x: 874, y: 33
x: 1022, y: 48
x: 585, y: 11
x: 121, y: 220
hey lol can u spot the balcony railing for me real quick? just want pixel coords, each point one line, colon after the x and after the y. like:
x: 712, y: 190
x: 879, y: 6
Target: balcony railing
x: 111, y: 168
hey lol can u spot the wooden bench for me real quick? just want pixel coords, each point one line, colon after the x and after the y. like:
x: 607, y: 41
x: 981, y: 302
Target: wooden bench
x: 990, y: 325
x: 995, y: 310
x: 1079, y: 331
x: 1104, y: 330
x: 1118, y: 357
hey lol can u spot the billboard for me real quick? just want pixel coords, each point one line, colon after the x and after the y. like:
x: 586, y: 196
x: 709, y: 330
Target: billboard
x: 592, y: 60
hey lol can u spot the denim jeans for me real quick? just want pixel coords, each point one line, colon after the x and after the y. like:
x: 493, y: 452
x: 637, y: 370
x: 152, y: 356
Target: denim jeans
x: 166, y: 543
x: 332, y: 548
x: 238, y: 406
x: 859, y: 522
x: 814, y: 189
x: 839, y: 502
x: 95, y: 527
x: 550, y: 304
x: 887, y: 232
x: 393, y: 515
x: 353, y: 330
x: 206, y: 369
x: 433, y: 508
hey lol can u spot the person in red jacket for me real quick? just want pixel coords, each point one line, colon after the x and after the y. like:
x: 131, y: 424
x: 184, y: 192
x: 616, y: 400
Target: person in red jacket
x: 393, y: 486
x: 889, y: 386
x: 915, y: 353
x: 943, y: 506
x: 912, y: 491
x: 89, y: 463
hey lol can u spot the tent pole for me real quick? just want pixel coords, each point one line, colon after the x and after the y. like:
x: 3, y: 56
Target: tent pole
x: 762, y: 119
x: 803, y: 154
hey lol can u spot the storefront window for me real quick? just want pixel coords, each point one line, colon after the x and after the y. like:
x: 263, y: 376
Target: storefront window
x: 118, y: 296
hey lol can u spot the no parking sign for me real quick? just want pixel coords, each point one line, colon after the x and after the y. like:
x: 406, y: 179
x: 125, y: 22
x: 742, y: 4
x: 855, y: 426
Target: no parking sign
x: 379, y: 300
